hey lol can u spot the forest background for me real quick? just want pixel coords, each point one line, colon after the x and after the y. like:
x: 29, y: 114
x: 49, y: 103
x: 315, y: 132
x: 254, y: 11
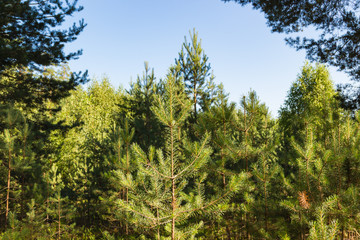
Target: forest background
x: 171, y: 157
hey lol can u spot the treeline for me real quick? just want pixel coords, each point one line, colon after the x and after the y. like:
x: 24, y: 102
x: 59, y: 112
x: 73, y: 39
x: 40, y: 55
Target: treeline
x: 173, y: 158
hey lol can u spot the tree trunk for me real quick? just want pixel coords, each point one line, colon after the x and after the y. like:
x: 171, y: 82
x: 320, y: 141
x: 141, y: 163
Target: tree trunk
x: 59, y: 217
x: 173, y: 199
x: 8, y: 188
x: 195, y: 99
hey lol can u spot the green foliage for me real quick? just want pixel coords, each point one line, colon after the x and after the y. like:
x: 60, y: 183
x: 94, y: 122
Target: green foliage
x: 145, y: 164
x: 311, y: 100
x: 121, y: 158
x: 58, y: 209
x: 30, y: 35
x: 93, y: 113
x: 32, y: 41
x: 243, y: 140
x: 17, y: 161
x: 193, y: 66
x: 317, y: 146
x: 30, y: 92
x: 81, y: 156
x: 137, y: 107
x: 320, y: 229
x: 311, y: 104
x: 166, y: 189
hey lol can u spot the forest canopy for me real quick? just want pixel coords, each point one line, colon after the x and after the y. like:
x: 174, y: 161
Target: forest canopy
x: 174, y: 158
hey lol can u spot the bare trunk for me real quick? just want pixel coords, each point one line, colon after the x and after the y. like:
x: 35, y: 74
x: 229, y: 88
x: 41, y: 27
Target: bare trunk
x: 307, y: 175
x: 173, y: 211
x: 158, y: 223
x: 195, y: 100
x: 228, y: 233
x: 59, y: 217
x: 301, y: 228
x: 173, y: 200
x: 8, y: 188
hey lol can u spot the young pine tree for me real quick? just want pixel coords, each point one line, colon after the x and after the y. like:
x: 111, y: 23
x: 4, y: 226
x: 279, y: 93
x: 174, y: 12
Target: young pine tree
x: 120, y: 158
x: 17, y: 160
x: 137, y: 104
x: 166, y: 190
x: 59, y: 209
x: 195, y: 70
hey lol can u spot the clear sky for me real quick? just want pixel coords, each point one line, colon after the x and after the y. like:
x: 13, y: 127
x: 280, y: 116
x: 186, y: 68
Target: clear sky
x: 244, y: 54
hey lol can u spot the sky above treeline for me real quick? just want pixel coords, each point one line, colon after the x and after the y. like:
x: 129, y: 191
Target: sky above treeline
x: 244, y: 55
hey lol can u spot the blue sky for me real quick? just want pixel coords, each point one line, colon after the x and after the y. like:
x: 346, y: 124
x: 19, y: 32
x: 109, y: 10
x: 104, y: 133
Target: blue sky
x: 244, y: 54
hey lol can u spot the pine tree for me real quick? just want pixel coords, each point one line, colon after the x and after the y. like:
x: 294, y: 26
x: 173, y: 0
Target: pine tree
x: 194, y: 68
x: 254, y: 147
x: 317, y: 146
x: 59, y: 209
x: 120, y: 157
x: 266, y: 171
x: 342, y: 172
x: 30, y: 42
x: 311, y: 100
x: 170, y: 187
x: 320, y: 229
x: 239, y: 139
x: 137, y: 104
x: 81, y: 151
x: 217, y: 121
x: 17, y: 160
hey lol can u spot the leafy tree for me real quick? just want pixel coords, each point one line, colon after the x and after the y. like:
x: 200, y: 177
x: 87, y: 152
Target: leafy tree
x: 33, y: 150
x: 93, y: 113
x: 38, y: 103
x: 311, y: 101
x: 31, y: 42
x: 81, y: 152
